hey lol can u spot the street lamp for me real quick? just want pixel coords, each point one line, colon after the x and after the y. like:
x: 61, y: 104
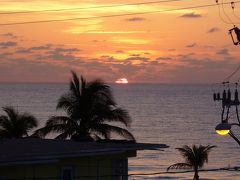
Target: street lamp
x: 224, y: 127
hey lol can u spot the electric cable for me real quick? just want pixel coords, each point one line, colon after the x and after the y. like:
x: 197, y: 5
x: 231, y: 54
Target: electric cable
x: 220, y: 16
x: 232, y: 74
x: 85, y: 8
x: 110, y: 16
x: 233, y: 10
x: 224, y: 12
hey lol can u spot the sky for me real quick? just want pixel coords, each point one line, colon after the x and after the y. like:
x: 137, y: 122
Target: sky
x: 181, y: 46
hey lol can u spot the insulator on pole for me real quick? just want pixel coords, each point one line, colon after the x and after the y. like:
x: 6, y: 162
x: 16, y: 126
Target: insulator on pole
x: 233, y: 5
x: 214, y: 96
x: 236, y: 96
x: 229, y: 95
x: 224, y: 95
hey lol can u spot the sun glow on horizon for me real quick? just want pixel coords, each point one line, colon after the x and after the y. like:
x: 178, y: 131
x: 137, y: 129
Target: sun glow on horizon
x: 121, y: 81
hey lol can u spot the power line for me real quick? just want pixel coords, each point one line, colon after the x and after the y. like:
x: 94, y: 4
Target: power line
x: 110, y: 16
x: 232, y: 74
x: 223, y: 9
x: 236, y: 169
x: 84, y: 8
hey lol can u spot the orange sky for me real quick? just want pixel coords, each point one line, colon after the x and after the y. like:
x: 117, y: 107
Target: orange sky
x: 187, y: 46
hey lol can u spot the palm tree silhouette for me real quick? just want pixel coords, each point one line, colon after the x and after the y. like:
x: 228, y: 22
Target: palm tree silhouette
x: 195, y: 158
x: 15, y: 124
x: 89, y: 107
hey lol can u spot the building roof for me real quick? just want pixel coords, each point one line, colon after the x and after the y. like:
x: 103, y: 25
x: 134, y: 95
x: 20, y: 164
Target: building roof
x: 37, y: 151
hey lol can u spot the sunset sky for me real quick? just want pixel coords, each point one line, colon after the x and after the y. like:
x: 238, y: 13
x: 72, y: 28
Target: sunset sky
x: 184, y: 46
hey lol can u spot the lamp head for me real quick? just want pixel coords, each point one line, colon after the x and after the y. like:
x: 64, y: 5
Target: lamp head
x: 223, y: 128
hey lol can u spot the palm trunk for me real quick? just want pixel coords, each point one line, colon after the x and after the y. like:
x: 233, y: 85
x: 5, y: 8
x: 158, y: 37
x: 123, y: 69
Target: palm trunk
x: 196, y: 176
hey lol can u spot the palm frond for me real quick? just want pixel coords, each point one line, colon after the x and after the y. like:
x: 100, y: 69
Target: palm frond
x: 109, y: 128
x: 28, y: 120
x: 11, y: 112
x: 66, y: 103
x: 180, y: 166
x: 15, y: 124
x: 188, y: 154
x: 100, y: 92
x: 57, y: 128
x: 195, y: 155
x: 75, y: 85
x: 54, y: 120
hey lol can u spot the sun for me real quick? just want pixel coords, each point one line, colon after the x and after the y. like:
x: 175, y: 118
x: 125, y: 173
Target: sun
x: 121, y: 81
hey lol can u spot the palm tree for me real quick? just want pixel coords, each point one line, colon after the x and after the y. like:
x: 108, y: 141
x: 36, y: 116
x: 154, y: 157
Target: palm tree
x: 15, y: 124
x: 89, y: 107
x: 195, y: 158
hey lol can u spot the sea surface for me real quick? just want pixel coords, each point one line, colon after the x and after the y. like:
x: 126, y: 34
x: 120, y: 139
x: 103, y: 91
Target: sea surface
x: 175, y: 115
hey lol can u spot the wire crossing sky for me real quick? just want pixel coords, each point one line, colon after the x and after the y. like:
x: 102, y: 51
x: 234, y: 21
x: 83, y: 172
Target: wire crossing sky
x: 108, y: 16
x: 91, y: 7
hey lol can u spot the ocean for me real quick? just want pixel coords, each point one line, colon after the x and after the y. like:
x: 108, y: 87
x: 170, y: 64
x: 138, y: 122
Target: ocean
x: 175, y: 115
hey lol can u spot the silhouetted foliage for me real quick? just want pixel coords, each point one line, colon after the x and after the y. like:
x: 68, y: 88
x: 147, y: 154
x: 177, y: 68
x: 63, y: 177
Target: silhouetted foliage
x: 90, y: 107
x: 195, y: 158
x: 15, y: 124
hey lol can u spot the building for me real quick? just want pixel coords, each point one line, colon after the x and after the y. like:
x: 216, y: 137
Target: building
x: 67, y: 160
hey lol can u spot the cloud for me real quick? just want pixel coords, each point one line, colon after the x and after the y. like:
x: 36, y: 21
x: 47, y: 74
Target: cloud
x: 65, y: 50
x: 191, y: 45
x: 224, y: 52
x: 163, y: 58
x: 191, y: 15
x: 213, y: 30
x: 135, y: 55
x: 43, y: 47
x: 23, y: 51
x: 7, y: 44
x: 137, y: 58
x: 135, y: 19
x: 11, y: 35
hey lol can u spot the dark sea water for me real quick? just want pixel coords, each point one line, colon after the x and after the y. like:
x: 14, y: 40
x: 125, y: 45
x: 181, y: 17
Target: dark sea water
x: 175, y: 115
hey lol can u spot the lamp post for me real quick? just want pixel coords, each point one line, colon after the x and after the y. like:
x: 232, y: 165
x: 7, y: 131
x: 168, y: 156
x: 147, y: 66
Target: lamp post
x: 224, y: 127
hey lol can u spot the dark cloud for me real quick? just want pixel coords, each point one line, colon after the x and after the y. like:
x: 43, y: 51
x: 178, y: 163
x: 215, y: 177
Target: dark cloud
x: 107, y: 58
x: 7, y: 44
x: 66, y: 50
x: 23, y: 51
x: 34, y: 48
x: 163, y: 58
x: 191, y: 45
x: 213, y: 30
x: 224, y: 52
x: 191, y: 15
x: 43, y: 47
x: 62, y: 54
x: 137, y: 58
x: 4, y: 55
x: 135, y: 19
x: 11, y: 35
x: 135, y: 55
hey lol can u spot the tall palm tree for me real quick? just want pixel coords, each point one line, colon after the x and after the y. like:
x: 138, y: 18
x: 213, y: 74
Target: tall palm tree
x: 15, y: 124
x: 90, y: 107
x: 195, y: 158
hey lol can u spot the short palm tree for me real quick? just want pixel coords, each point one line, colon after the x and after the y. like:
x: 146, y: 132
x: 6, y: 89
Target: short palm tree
x: 90, y: 107
x: 195, y: 158
x: 15, y: 124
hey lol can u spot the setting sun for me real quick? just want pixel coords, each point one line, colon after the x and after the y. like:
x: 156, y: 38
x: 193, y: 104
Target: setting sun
x: 121, y: 81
